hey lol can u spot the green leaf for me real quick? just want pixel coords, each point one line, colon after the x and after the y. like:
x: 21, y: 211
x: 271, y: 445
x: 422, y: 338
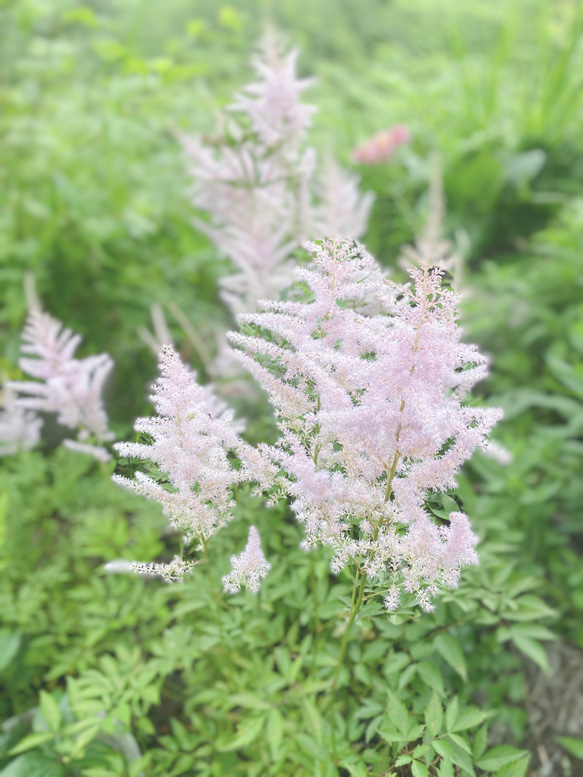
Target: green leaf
x: 50, y: 710
x: 451, y: 714
x: 445, y: 768
x: 455, y: 754
x: 516, y: 768
x: 390, y: 734
x: 85, y: 737
x: 9, y: 644
x: 397, y: 713
x: 419, y: 769
x: 406, y: 676
x: 33, y: 765
x: 528, y: 608
x: 480, y: 742
x: 533, y: 649
x: 402, y: 760
x: 30, y: 741
x: 498, y: 757
x: 468, y: 718
x: 450, y: 650
x: 248, y: 732
x: 431, y: 675
x: 461, y: 742
x: 572, y: 745
x: 274, y: 730
x: 434, y: 716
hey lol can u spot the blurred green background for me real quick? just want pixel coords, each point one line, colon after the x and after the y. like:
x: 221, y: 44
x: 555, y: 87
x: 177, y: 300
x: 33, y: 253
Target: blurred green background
x: 93, y: 203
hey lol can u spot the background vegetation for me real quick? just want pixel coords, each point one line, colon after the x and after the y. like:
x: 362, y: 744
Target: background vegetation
x: 114, y: 675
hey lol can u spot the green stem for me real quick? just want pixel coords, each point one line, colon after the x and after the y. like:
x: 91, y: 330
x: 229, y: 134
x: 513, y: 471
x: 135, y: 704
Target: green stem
x: 214, y: 596
x: 354, y: 610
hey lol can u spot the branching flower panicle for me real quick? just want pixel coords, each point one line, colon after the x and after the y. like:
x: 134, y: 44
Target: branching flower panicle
x: 256, y: 183
x: 196, y: 447
x: 367, y: 380
x: 64, y: 385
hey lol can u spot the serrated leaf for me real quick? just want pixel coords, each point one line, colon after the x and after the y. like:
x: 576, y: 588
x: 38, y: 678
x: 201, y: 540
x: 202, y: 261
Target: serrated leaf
x: 246, y: 734
x: 391, y: 735
x: 419, y: 769
x: 451, y: 713
x: 533, y: 649
x: 450, y: 650
x: 397, y: 713
x: 445, y: 768
x: 480, y: 743
x: 461, y: 742
x: 455, y: 754
x: 498, y: 757
x: 468, y: 718
x: 434, y: 716
x: 572, y: 745
x: 515, y: 769
x: 402, y: 760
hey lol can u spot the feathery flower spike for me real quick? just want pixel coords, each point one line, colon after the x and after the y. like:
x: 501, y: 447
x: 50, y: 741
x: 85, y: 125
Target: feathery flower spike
x: 248, y: 568
x: 192, y: 443
x: 367, y: 381
x: 67, y: 386
x: 256, y: 183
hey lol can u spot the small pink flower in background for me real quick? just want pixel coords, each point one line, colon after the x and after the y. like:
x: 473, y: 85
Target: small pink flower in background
x: 383, y: 146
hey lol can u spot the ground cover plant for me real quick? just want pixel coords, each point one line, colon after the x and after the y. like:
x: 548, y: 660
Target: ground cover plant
x: 267, y: 659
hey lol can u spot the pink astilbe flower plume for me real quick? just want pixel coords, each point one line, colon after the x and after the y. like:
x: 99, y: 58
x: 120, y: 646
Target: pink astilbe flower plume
x: 193, y: 444
x: 256, y: 184
x: 367, y: 380
x: 248, y: 568
x: 64, y: 385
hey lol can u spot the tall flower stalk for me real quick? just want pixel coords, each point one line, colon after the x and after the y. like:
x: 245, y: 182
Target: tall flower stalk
x: 367, y: 380
x: 256, y: 182
x: 195, y: 446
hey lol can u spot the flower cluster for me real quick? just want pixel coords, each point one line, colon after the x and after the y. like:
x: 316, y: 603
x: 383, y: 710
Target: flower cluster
x: 19, y: 428
x: 431, y: 249
x: 256, y: 183
x: 64, y: 385
x: 367, y: 381
x: 248, y: 568
x: 383, y: 146
x: 196, y: 447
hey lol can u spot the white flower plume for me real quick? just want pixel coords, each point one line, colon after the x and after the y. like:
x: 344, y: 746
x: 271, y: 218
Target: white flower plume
x: 248, y: 568
x: 64, y: 385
